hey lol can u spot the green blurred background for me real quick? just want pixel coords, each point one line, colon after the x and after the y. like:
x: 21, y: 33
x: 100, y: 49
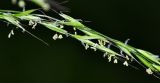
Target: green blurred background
x: 23, y: 59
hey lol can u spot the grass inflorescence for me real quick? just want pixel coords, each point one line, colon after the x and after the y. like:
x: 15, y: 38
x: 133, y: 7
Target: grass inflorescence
x: 90, y: 38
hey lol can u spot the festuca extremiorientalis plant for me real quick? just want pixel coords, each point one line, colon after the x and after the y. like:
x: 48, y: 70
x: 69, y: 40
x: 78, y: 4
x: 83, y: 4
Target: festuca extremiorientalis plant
x: 89, y: 38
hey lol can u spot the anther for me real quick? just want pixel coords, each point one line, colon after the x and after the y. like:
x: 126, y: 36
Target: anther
x: 149, y: 71
x: 10, y: 34
x: 60, y: 36
x: 86, y: 46
x: 115, y: 61
x: 125, y: 63
x: 55, y: 37
x: 94, y: 47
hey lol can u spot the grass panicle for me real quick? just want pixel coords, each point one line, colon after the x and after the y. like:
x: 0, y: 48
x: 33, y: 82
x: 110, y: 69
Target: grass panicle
x: 90, y: 39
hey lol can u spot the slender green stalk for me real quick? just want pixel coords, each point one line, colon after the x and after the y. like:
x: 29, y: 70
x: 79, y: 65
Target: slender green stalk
x: 90, y: 39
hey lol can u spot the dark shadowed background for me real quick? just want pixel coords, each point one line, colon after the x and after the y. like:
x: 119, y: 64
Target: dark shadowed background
x: 24, y: 59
